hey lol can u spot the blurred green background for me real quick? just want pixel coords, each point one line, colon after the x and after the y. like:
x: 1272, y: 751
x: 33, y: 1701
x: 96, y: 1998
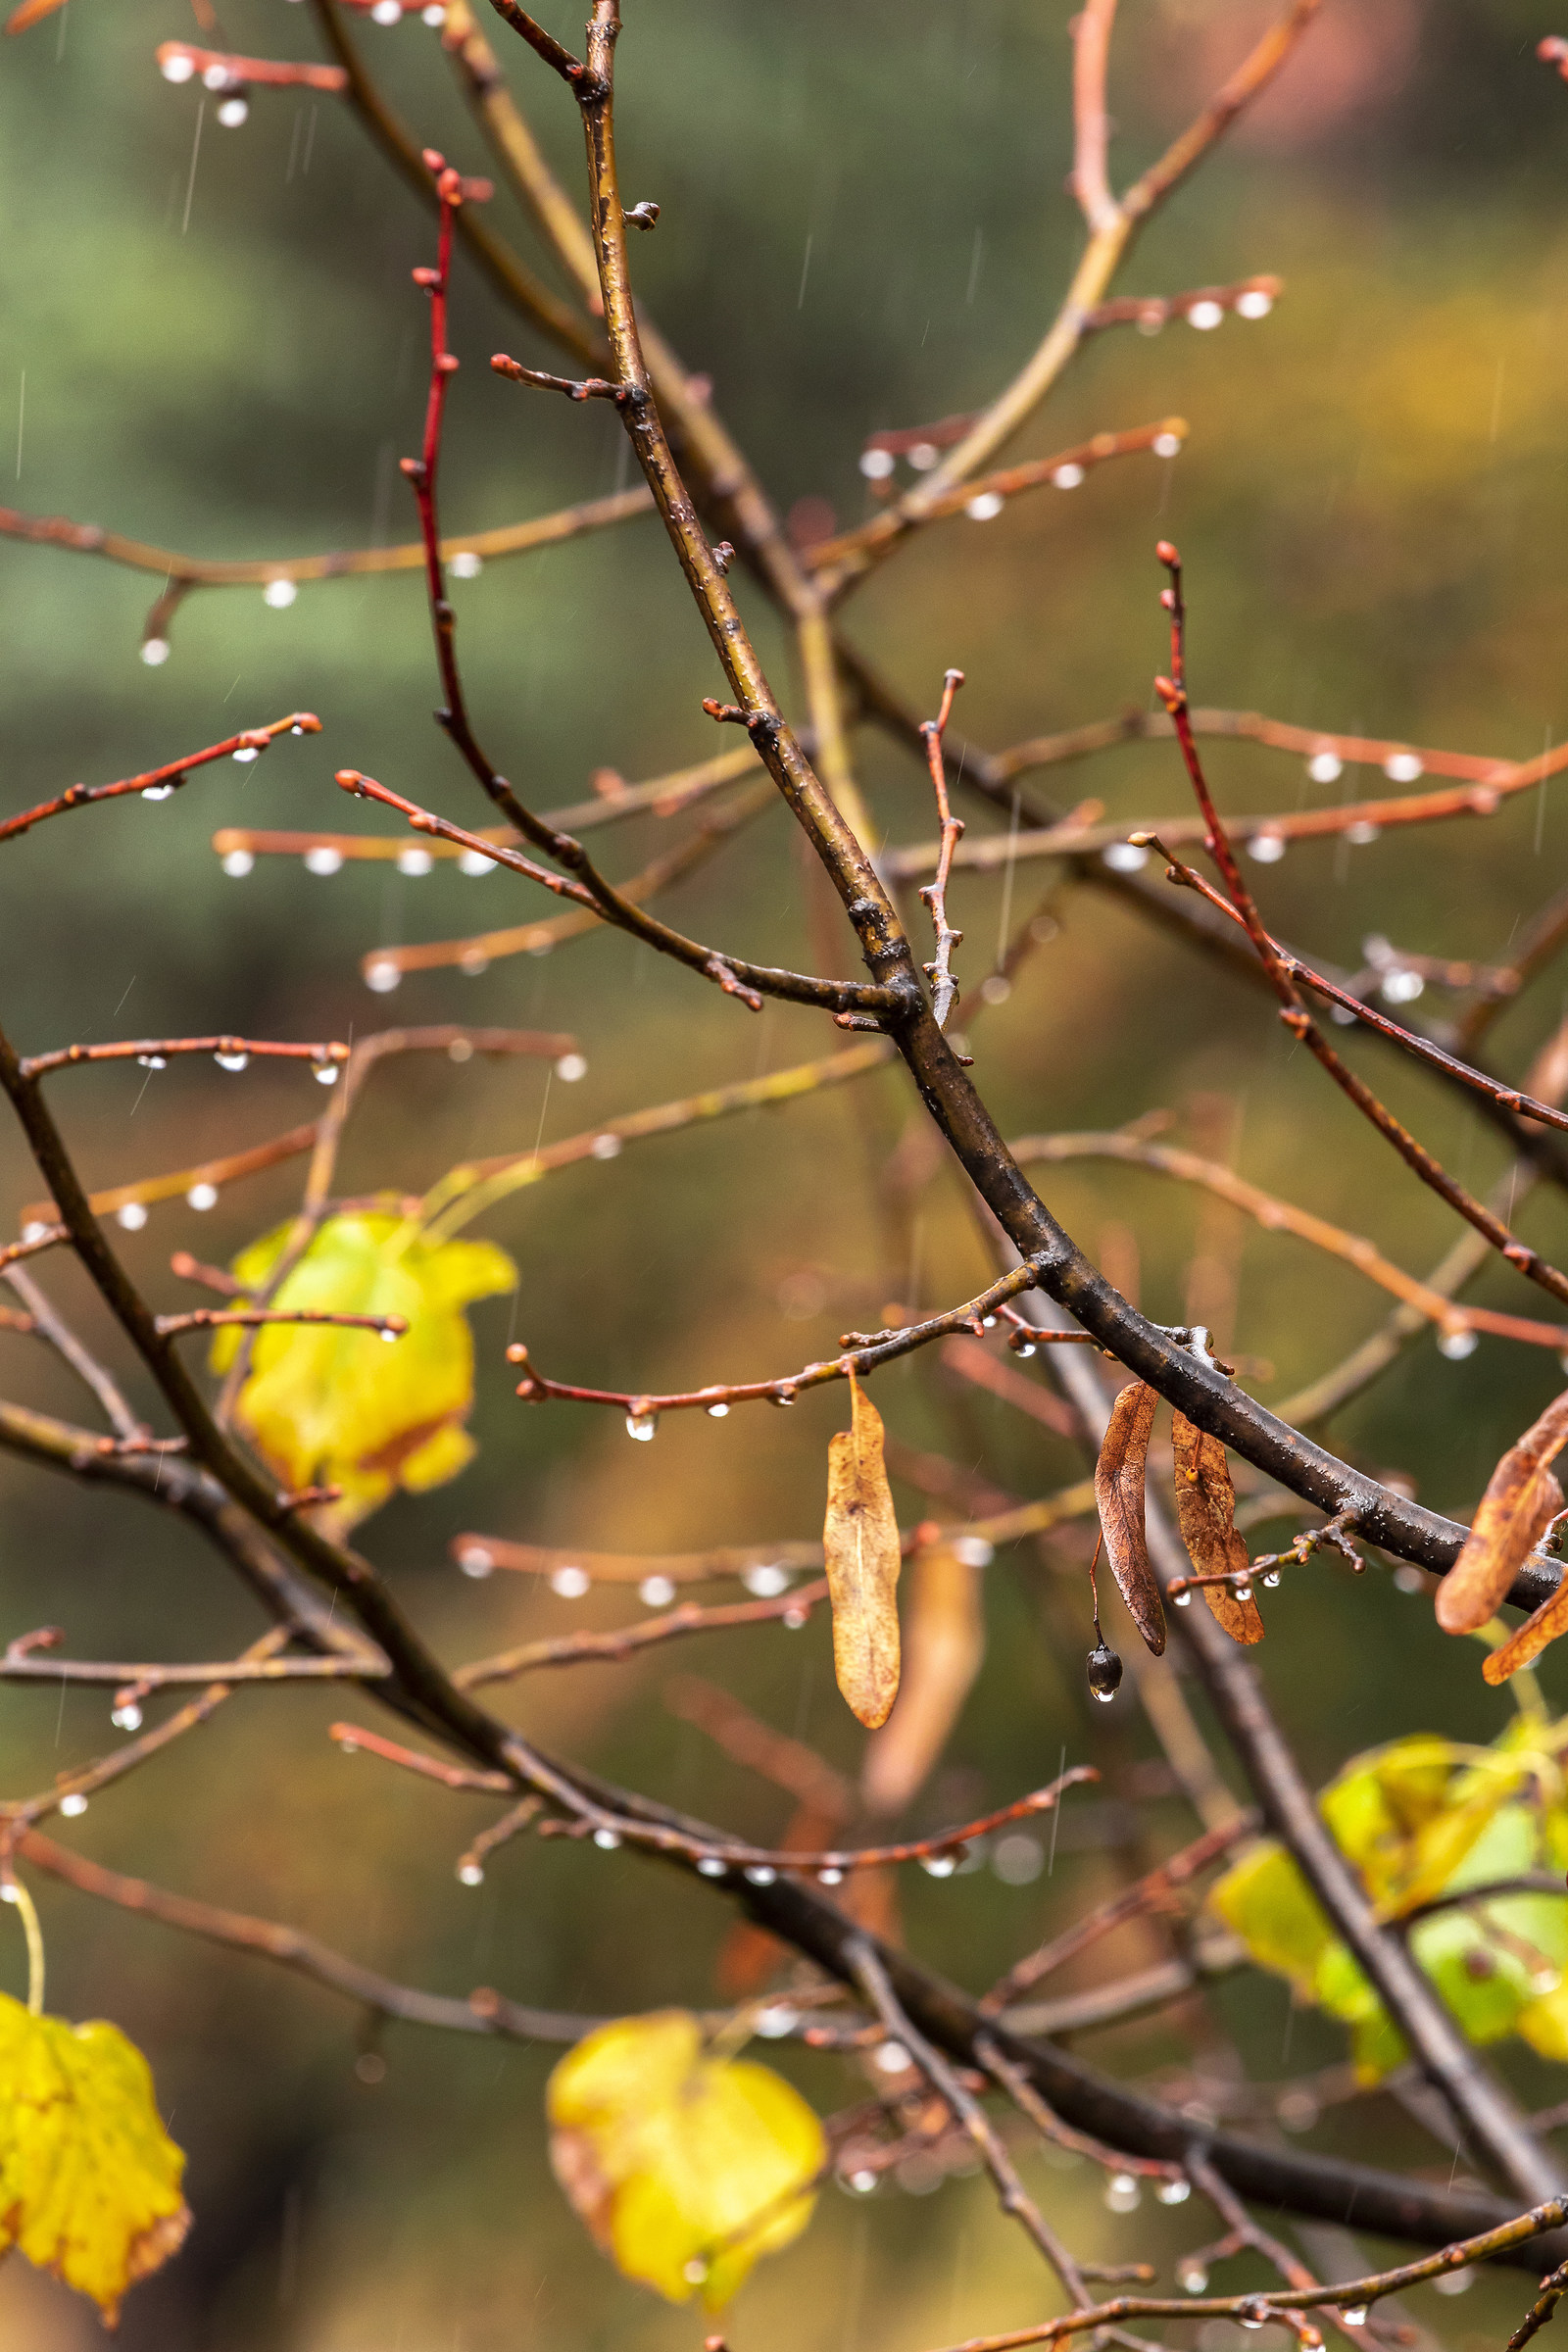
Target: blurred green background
x: 863, y: 225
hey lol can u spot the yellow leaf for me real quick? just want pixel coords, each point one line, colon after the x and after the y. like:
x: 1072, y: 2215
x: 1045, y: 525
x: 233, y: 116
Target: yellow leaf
x: 685, y: 2167
x: 89, y: 2179
x: 863, y: 1556
x: 333, y: 1407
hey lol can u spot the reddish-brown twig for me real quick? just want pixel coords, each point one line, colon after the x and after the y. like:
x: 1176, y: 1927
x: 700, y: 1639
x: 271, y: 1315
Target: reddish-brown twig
x: 516, y: 1818
x: 933, y: 894
x: 221, y: 70
x: 863, y: 1354
x: 250, y: 1318
x: 154, y: 1051
x: 48, y: 1237
x: 628, y: 1641
x: 1334, y: 1534
x: 158, y: 782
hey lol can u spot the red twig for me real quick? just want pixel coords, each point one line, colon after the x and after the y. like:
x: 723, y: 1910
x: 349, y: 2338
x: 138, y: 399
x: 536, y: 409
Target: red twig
x: 155, y: 1051
x: 158, y: 782
x: 244, y: 72
x: 933, y: 894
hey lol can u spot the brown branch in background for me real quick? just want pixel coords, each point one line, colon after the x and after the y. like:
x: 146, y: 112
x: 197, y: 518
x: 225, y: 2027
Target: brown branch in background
x: 484, y: 2012
x: 972, y: 1361
x: 21, y: 1665
x: 32, y: 1244
x: 515, y: 1818
x: 159, y: 782
x: 1153, y: 1891
x: 478, y: 1555
x: 1554, y: 2287
x: 627, y: 1641
x: 52, y: 1326
x: 1283, y: 1217
x: 1334, y: 1536
x: 1013, y: 2198
x: 251, y: 1318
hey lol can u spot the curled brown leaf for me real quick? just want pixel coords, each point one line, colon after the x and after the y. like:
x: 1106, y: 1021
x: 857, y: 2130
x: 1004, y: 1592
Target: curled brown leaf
x: 862, y: 1554
x: 1119, y: 1496
x: 1521, y: 1500
x: 1205, y: 1513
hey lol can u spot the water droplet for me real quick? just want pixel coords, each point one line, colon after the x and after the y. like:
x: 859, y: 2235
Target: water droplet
x: 415, y: 862
x: 655, y: 1591
x: 570, y: 1067
x: 326, y: 1073
x: 793, y: 1620
x: 862, y: 2183
x: 569, y: 1584
x: 1205, y: 315
x: 1194, y: 2278
x: 1243, y: 1592
x: 464, y: 564
x: 1250, y: 2319
x: 387, y: 12
x: 891, y: 2057
x: 1067, y: 477
x: 1122, y: 2193
x: 1124, y: 857
x: 830, y: 1878
x: 73, y: 1805
x: 232, y: 113
x: 131, y: 1215
x: 127, y: 1718
x: 476, y: 1561
x: 717, y: 1412
x: 975, y: 1551
x: 324, y: 860
x: 996, y: 988
x: 238, y: 864
x: 1401, y: 986
x: 474, y: 862
x: 711, y: 1867
x: 695, y: 2271
x: 1456, y: 2283
x: 986, y: 507
x: 231, y: 1061
x: 1403, y: 768
x: 217, y: 77
x: 606, y: 1147
x: 1325, y: 768
x: 1183, y: 1600
x: 642, y: 1426
x: 774, y: 2024
x: 1174, y: 2193
x: 760, y: 1874
x: 157, y: 792
x: 155, y: 651
x: 201, y: 1196
x: 392, y: 1338
x: 1457, y: 1344
x: 607, y: 1839
x: 1355, y: 2318
x: 472, y: 1874
x: 1271, y: 1577
x: 383, y: 976
x: 1025, y: 1347
x: 1166, y: 445
x: 877, y: 464
x: 280, y: 594
x: 150, y: 1061
x: 1103, y: 1667
x: 1255, y: 303
x: 177, y: 68
x: 923, y: 456
x: 1266, y: 849
x: 1361, y: 832
x: 1018, y: 1859
x: 938, y: 1866
x: 767, y: 1581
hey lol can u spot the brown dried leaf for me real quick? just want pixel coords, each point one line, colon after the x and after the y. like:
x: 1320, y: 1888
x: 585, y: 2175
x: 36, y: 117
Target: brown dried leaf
x: 860, y: 1547
x: 1528, y: 1639
x: 1205, y: 1513
x: 1119, y: 1496
x: 946, y: 1643
x: 1521, y: 1500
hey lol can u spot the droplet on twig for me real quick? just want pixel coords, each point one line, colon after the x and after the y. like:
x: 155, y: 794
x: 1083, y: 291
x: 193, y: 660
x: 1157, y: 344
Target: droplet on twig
x: 324, y: 860
x: 280, y: 594
x: 238, y: 864
x: 132, y: 1217
x: 201, y: 1196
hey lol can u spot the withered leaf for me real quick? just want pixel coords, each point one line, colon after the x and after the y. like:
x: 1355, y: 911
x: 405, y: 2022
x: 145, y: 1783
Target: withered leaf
x: 1521, y: 1500
x: 1528, y: 1640
x: 861, y: 1549
x: 1119, y: 1497
x: 947, y: 1645
x: 1205, y: 1513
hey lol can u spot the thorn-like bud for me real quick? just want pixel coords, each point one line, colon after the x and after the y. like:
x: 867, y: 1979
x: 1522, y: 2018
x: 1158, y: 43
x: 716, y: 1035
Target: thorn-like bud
x: 434, y: 160
x: 448, y: 362
x: 352, y: 780
x: 642, y: 215
x: 1167, y: 551
x: 414, y: 467
x: 425, y: 277
x: 516, y: 1354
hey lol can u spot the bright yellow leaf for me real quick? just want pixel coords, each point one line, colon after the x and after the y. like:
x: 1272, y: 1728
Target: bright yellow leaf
x: 333, y: 1407
x: 89, y: 2179
x: 685, y: 2167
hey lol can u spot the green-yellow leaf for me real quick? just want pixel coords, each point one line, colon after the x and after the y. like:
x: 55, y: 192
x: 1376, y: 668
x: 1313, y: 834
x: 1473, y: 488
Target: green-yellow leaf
x: 685, y: 2167
x: 89, y: 2179
x: 333, y: 1407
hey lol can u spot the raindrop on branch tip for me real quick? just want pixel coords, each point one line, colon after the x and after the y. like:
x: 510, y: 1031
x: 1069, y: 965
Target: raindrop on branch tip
x: 1103, y: 1667
x: 1192, y: 2279
x: 1255, y: 303
x: 1457, y: 1344
x: 73, y: 1805
x: 877, y: 464
x: 201, y: 1196
x: 1166, y: 445
x: 1122, y: 2193
x: 157, y: 792
x: 232, y: 1062
x: 381, y: 977
x: 127, y: 1718
x: 476, y: 1561
x: 415, y: 862
x: 1269, y: 1579
x: 237, y: 863
x: 326, y: 1073
x: 155, y: 651
x: 1067, y: 477
x: 711, y: 1867
x: 986, y: 507
x: 607, y: 1841
x: 570, y: 1067
x: 279, y: 595
x: 642, y: 1426
x: 1205, y: 315
x: 569, y: 1584
x: 131, y: 1216
x: 1325, y: 768
x: 1174, y: 2193
x: 247, y: 753
x: 474, y: 862
x: 323, y: 860
x: 470, y: 1873
x: 655, y: 1591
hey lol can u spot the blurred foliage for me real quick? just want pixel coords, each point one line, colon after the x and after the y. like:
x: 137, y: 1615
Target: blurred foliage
x: 864, y: 224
